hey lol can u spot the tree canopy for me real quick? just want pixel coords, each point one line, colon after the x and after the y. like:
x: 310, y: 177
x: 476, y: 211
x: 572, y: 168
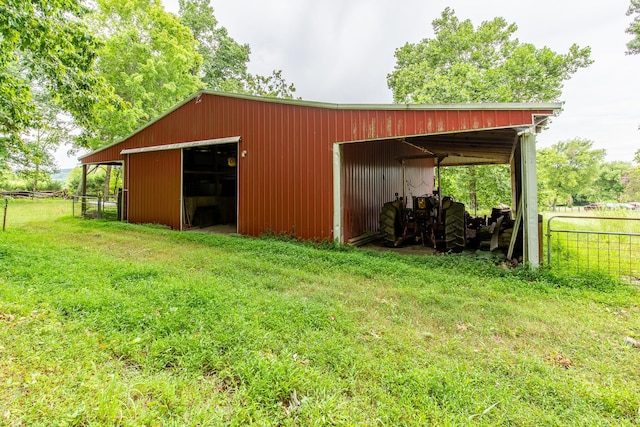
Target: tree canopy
x: 633, y: 46
x: 49, y: 129
x: 167, y: 58
x: 568, y: 168
x: 484, y: 64
x: 463, y: 63
x: 109, y: 66
x: 46, y: 42
x: 224, y: 66
x: 224, y: 61
x: 148, y: 57
x: 610, y: 184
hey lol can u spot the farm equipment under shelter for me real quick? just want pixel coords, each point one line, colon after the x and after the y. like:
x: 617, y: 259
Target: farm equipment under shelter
x: 444, y: 224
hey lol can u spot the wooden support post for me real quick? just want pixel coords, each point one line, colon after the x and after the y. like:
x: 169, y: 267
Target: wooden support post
x: 119, y: 205
x: 516, y: 227
x: 6, y: 206
x: 439, y: 192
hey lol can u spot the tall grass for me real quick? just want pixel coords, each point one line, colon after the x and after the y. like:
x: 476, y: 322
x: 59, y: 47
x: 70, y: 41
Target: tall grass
x: 104, y: 323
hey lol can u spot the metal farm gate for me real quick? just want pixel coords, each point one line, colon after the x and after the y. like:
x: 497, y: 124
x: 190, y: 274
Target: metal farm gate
x: 581, y: 244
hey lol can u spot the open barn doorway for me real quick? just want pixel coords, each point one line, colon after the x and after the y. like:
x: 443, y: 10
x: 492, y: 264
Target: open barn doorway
x: 210, y: 187
x: 391, y: 192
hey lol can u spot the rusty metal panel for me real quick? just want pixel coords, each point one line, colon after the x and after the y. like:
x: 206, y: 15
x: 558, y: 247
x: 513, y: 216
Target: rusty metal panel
x: 153, y: 183
x: 363, y: 125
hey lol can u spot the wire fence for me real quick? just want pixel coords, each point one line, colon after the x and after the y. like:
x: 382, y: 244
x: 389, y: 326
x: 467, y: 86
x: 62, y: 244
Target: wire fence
x: 95, y: 207
x: 609, y: 245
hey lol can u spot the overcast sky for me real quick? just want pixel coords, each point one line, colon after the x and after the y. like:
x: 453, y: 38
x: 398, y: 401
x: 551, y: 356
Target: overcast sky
x: 342, y: 50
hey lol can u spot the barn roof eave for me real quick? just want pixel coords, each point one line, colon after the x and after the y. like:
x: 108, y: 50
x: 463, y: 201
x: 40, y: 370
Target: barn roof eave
x: 554, y: 108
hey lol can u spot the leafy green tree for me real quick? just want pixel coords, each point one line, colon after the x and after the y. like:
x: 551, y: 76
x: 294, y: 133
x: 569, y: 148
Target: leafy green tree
x: 633, y: 46
x: 568, y: 169
x: 224, y: 65
x: 224, y: 61
x: 463, y: 63
x: 148, y: 57
x: 35, y: 163
x: 632, y: 181
x: 632, y: 186
x: 484, y: 64
x: 47, y: 40
x: 6, y: 175
x: 611, y: 182
x: 274, y: 85
x: 50, y: 129
x: 491, y: 185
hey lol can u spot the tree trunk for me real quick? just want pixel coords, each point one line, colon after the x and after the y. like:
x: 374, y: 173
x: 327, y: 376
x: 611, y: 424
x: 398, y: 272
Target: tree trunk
x: 35, y: 178
x: 107, y: 181
x: 116, y: 179
x: 473, y: 188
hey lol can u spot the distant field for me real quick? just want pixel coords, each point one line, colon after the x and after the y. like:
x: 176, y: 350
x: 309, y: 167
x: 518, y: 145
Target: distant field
x: 111, y: 324
x: 61, y: 175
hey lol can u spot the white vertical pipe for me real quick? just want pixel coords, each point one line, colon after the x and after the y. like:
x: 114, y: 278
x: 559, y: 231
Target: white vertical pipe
x: 529, y: 198
x: 337, y: 195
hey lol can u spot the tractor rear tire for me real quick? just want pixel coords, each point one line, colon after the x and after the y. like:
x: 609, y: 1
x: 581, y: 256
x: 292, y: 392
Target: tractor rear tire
x: 390, y: 222
x: 455, y: 227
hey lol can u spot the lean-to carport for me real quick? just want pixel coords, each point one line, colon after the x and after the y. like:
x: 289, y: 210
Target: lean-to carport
x: 513, y: 145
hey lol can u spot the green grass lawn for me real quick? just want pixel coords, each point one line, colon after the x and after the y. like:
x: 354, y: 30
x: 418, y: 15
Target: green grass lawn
x: 105, y: 323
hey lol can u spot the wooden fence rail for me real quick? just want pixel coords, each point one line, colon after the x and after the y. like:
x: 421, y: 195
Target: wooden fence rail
x: 24, y: 194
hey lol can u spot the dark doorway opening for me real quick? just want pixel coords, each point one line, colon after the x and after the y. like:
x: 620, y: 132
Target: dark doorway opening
x: 210, y: 186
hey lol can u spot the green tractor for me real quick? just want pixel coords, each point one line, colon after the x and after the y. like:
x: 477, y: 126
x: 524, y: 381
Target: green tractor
x: 442, y: 223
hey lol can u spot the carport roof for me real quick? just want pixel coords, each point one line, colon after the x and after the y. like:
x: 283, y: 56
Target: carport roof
x: 481, y: 147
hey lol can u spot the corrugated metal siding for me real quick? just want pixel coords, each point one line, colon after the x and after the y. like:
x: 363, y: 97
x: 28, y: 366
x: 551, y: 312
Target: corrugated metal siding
x: 372, y: 175
x: 153, y: 185
x: 286, y: 178
x: 359, y: 125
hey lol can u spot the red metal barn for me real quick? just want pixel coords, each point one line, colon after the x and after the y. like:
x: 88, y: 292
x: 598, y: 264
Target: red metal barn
x: 315, y: 170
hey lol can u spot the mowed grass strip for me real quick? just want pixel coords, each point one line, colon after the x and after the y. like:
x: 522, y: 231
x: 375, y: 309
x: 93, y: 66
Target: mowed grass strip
x: 104, y: 323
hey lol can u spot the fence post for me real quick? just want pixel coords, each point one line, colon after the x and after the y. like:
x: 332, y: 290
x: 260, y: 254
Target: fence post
x: 549, y: 242
x: 4, y: 221
x: 100, y: 206
x: 83, y: 194
x: 119, y: 205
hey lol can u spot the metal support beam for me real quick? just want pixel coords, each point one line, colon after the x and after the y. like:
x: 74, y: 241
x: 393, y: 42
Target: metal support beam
x: 337, y: 194
x: 529, y: 198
